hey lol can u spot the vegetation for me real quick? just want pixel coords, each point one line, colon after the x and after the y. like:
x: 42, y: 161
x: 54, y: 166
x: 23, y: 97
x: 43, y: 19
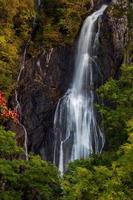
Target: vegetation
x: 21, y: 24
x: 60, y: 20
x: 103, y: 177
x: 6, y: 113
x: 117, y: 109
x: 16, y: 18
x: 109, y: 175
x: 106, y: 176
x: 21, y: 179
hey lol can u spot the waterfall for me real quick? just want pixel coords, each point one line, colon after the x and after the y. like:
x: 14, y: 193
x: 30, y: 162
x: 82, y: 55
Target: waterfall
x: 48, y: 57
x: 75, y: 121
x: 18, y: 106
x: 38, y: 3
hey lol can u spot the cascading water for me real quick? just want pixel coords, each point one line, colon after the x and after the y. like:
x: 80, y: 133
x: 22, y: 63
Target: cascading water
x: 48, y: 57
x: 74, y: 121
x: 38, y: 3
x: 18, y: 106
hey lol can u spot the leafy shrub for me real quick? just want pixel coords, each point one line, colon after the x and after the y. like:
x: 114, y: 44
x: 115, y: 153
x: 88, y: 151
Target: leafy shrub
x: 21, y: 179
x: 117, y: 109
x: 104, y: 177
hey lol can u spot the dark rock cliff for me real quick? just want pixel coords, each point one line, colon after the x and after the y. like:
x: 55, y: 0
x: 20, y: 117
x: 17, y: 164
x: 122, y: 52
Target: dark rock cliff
x: 47, y: 77
x: 43, y: 81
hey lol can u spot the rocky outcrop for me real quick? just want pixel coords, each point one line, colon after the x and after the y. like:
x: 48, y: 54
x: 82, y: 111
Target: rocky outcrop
x: 43, y: 81
x: 47, y: 77
x: 112, y: 43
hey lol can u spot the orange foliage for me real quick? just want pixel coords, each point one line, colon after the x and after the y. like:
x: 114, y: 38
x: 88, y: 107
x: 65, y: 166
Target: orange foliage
x: 6, y: 113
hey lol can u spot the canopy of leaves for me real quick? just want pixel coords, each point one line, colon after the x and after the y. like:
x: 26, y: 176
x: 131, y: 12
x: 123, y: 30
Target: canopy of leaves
x: 59, y: 20
x: 16, y: 18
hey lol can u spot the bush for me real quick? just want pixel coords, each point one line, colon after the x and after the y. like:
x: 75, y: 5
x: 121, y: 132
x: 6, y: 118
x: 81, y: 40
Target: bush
x: 21, y: 179
x: 104, y: 177
x: 117, y: 109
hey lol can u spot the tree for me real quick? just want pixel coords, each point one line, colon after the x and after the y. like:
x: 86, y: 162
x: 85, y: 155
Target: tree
x: 117, y: 96
x: 100, y: 178
x: 6, y: 113
x: 21, y: 179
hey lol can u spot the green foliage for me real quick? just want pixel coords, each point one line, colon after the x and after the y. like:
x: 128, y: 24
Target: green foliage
x: 21, y: 179
x: 59, y: 21
x: 8, y: 147
x: 106, y: 176
x: 100, y: 178
x: 8, y: 59
x: 109, y: 175
x: 15, y: 27
x: 117, y: 109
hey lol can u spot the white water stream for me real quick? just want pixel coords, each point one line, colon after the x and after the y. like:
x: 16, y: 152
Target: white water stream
x: 75, y: 122
x: 18, y: 106
x: 38, y: 3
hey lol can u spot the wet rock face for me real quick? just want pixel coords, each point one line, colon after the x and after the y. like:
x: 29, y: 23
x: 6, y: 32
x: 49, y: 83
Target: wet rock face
x: 43, y: 81
x: 111, y: 43
x: 46, y: 78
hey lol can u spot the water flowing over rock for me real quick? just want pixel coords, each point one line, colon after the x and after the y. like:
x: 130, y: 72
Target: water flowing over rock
x: 46, y: 78
x: 75, y: 123
x: 18, y: 107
